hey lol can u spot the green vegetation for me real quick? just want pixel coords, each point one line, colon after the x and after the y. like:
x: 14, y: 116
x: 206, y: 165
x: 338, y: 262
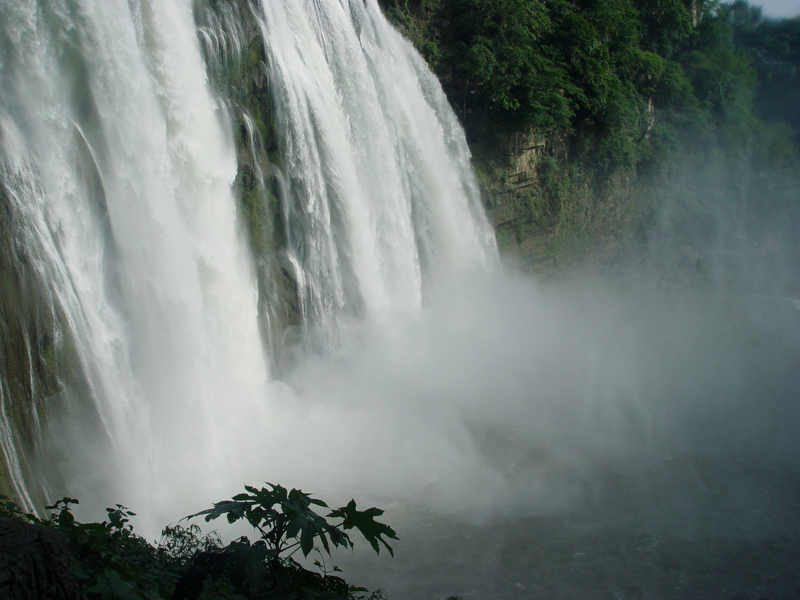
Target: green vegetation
x: 557, y: 66
x: 110, y: 562
x: 596, y: 124
x: 774, y: 51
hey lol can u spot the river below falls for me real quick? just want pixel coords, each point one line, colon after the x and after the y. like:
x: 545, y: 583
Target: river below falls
x: 710, y: 527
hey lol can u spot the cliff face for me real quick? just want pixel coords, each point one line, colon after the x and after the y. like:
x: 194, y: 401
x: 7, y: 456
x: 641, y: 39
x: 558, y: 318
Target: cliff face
x: 524, y: 221
x: 549, y: 214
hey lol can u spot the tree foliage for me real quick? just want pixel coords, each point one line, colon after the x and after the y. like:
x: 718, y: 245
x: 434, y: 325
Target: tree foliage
x: 598, y: 69
x: 640, y: 103
x: 773, y: 48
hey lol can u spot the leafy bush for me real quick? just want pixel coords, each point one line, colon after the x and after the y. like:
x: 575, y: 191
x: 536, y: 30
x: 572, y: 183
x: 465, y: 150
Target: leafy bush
x: 110, y: 562
x: 286, y: 523
x: 286, y: 520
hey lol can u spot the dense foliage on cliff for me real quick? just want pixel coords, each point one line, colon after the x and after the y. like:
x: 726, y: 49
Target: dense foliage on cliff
x: 655, y: 114
x: 590, y: 66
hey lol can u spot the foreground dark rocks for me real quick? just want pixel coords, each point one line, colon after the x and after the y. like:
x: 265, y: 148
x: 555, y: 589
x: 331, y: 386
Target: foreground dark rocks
x: 34, y: 563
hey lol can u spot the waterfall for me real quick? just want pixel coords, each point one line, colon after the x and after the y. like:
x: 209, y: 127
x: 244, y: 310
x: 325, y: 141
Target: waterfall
x: 126, y: 169
x: 378, y: 190
x: 118, y: 171
x: 378, y: 200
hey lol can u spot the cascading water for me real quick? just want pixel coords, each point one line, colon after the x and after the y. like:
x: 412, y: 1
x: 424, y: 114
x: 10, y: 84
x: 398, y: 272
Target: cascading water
x: 378, y: 188
x: 113, y: 147
x: 378, y: 198
x: 119, y: 165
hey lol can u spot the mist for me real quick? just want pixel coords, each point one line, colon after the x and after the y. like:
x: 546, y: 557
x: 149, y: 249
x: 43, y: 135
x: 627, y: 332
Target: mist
x: 624, y: 410
x: 629, y: 406
x: 622, y: 430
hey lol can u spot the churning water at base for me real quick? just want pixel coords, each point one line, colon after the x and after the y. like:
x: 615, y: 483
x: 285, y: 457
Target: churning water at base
x: 576, y: 440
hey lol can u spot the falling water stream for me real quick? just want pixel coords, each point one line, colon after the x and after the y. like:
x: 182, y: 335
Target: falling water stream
x: 483, y: 408
x: 125, y: 168
x: 120, y: 162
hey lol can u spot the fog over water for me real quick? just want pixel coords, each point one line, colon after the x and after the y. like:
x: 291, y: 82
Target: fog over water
x: 518, y: 426
x: 515, y: 426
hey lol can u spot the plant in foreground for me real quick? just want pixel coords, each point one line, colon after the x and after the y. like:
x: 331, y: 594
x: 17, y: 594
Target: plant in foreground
x: 287, y: 521
x: 110, y: 562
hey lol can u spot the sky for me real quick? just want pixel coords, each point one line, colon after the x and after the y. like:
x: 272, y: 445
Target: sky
x: 778, y: 9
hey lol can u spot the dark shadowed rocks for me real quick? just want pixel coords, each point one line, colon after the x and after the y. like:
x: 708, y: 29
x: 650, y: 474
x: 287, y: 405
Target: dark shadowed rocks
x: 34, y: 563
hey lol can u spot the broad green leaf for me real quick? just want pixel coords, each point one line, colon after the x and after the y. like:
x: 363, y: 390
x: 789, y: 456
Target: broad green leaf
x: 372, y: 530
